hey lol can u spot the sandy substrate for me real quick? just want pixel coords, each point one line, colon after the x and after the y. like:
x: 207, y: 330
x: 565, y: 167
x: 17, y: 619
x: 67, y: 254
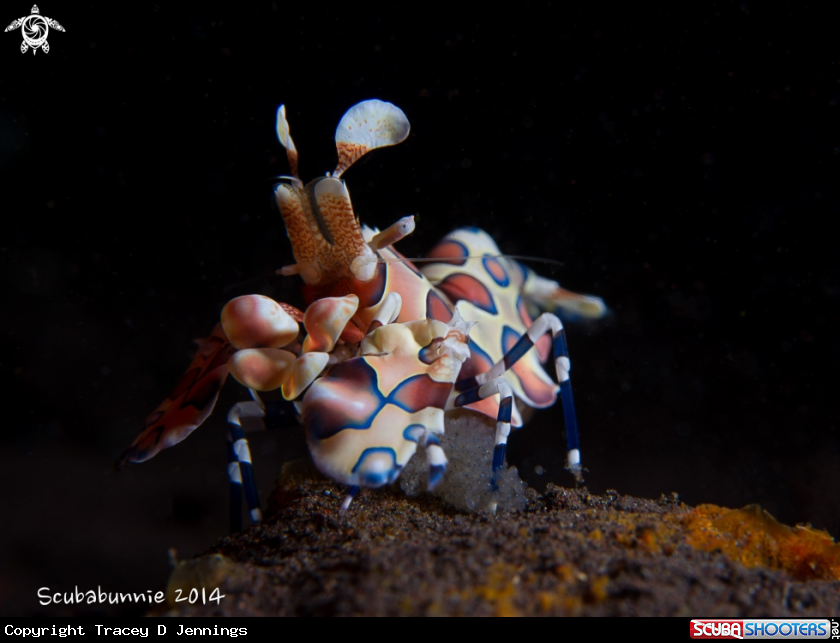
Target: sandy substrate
x: 567, y: 553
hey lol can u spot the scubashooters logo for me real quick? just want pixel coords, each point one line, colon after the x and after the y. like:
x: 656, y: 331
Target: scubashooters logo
x: 35, y: 28
x: 767, y: 628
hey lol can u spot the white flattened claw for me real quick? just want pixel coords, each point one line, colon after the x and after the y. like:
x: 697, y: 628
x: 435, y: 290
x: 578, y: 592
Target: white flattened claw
x: 325, y: 320
x: 365, y: 127
x: 262, y: 369
x: 373, y: 123
x: 304, y: 371
x: 255, y: 321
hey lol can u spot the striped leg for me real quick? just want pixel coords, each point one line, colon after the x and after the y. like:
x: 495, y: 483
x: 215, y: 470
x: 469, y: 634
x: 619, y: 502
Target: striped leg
x: 487, y: 389
x: 240, y: 469
x: 235, y: 477
x: 543, y: 324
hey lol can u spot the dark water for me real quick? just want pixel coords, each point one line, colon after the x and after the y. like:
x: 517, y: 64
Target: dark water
x: 683, y: 166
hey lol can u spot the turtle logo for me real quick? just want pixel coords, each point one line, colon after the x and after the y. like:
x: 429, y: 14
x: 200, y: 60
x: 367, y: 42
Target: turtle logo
x: 35, y: 28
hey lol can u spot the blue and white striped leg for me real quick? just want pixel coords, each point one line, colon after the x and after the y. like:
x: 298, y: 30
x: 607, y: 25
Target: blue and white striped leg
x: 545, y: 323
x: 240, y: 471
x: 501, y: 386
x: 235, y: 477
x: 243, y: 417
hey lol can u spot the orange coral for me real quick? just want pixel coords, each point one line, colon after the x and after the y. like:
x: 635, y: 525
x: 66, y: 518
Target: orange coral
x: 756, y: 539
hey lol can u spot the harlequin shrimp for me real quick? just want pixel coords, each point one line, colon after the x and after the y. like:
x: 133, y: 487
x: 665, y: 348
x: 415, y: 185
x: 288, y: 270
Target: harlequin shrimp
x: 382, y: 353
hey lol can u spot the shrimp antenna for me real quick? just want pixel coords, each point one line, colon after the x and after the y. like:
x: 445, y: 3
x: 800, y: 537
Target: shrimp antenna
x: 461, y: 258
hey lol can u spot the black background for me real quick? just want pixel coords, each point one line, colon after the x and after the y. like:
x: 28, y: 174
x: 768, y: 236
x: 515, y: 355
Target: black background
x: 682, y: 164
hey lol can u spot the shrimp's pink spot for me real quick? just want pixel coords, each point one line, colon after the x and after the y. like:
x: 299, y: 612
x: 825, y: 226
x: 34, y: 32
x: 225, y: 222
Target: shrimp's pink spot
x: 451, y: 252
x: 463, y: 286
